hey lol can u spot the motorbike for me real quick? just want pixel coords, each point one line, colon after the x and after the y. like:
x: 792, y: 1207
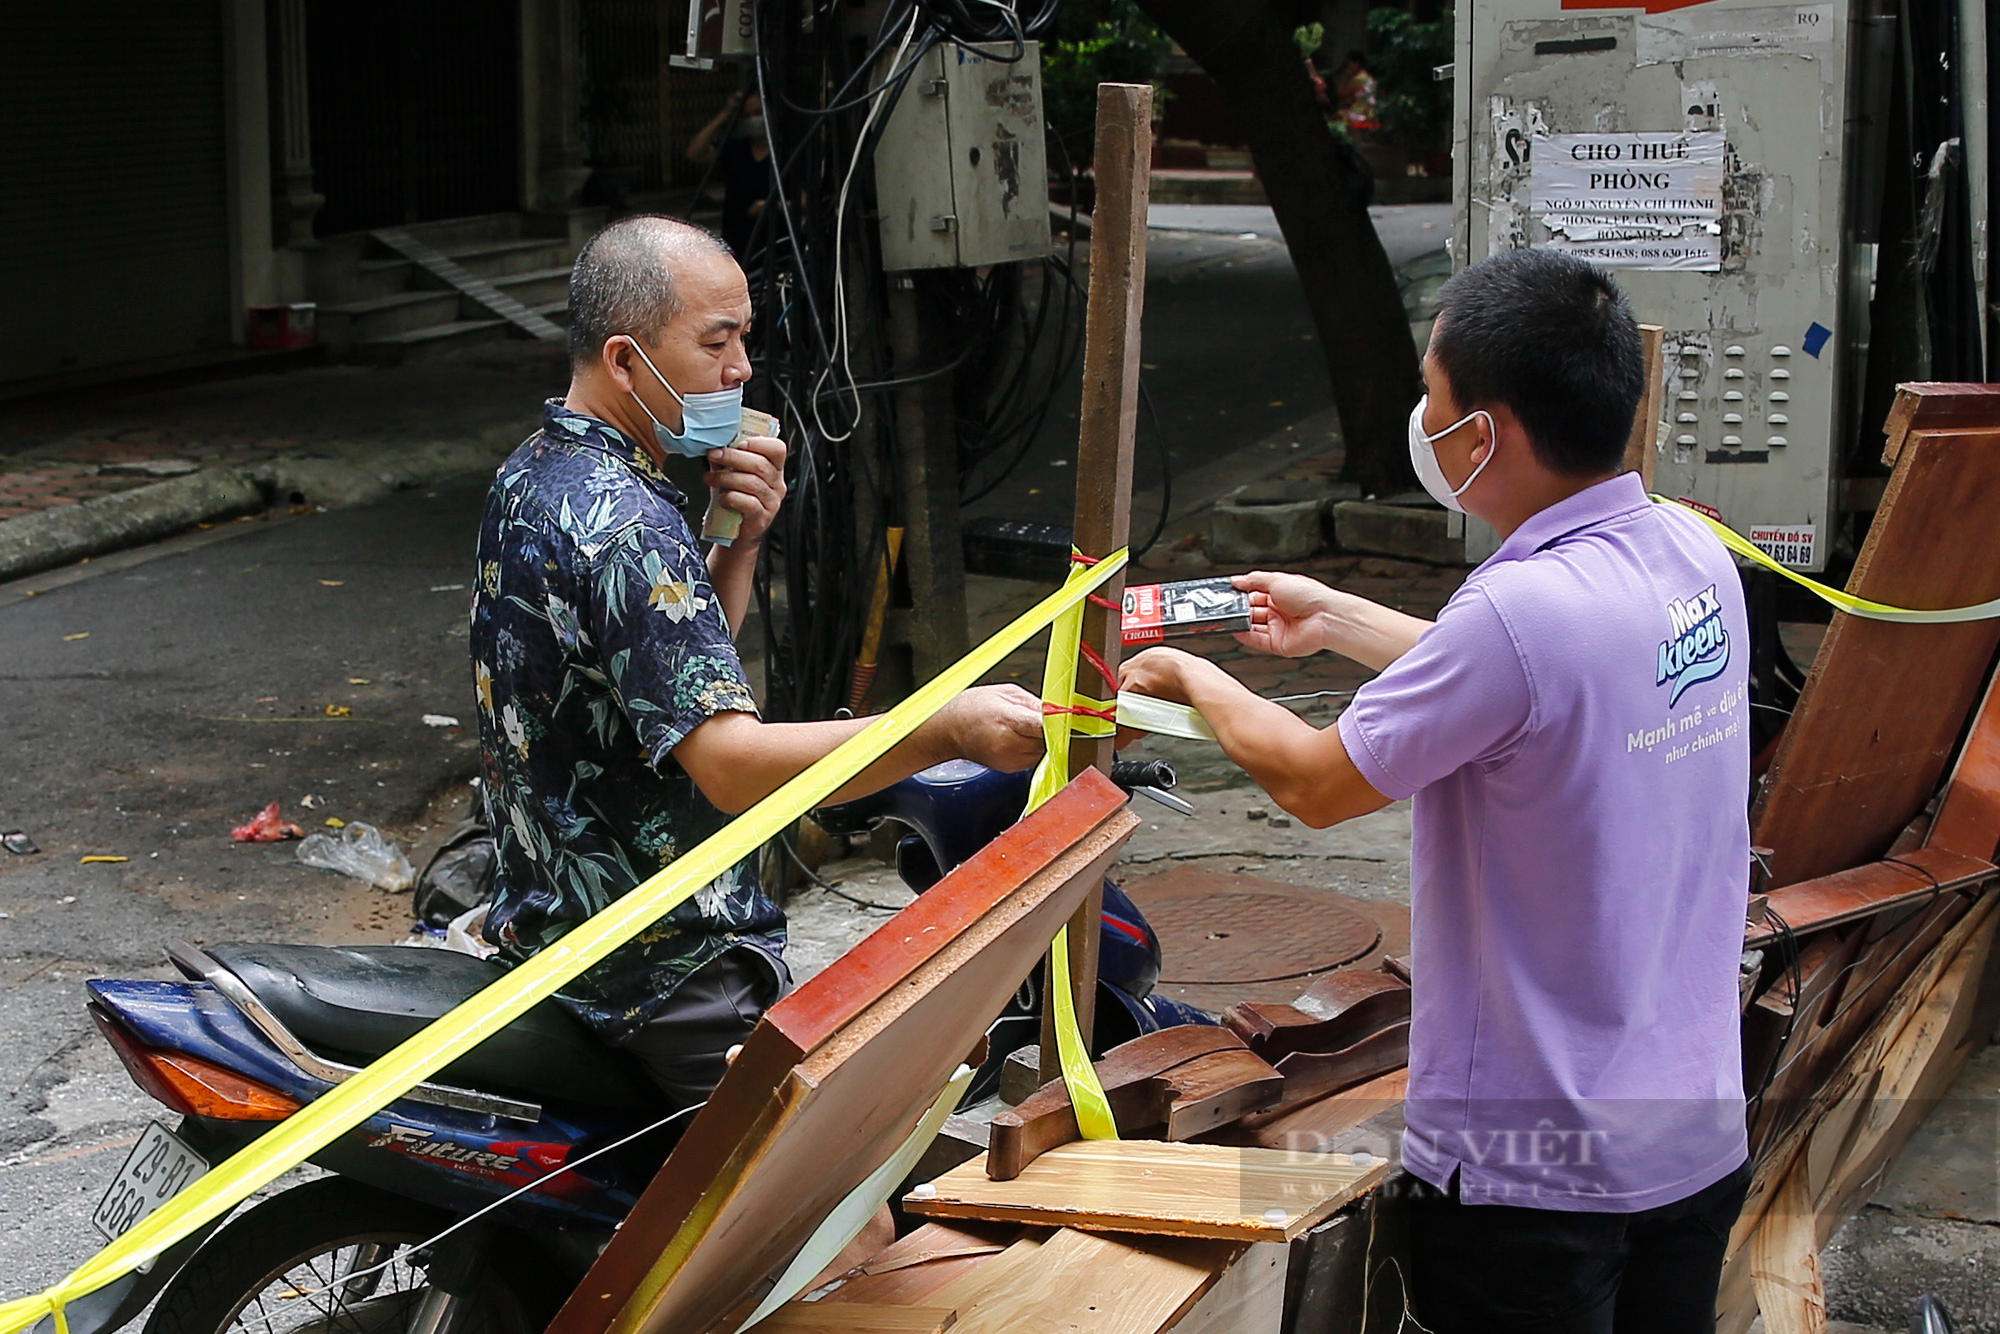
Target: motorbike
x: 473, y: 1204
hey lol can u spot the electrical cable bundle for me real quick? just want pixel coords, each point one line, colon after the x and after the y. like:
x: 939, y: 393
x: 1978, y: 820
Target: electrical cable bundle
x: 1013, y: 333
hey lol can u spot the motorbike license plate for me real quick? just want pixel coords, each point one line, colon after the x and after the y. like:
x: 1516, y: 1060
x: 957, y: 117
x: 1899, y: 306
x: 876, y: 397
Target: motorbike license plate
x: 158, y: 1168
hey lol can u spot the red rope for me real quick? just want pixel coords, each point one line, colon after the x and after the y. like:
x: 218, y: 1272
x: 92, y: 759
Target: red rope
x: 1081, y: 711
x: 1096, y: 659
x: 1078, y: 558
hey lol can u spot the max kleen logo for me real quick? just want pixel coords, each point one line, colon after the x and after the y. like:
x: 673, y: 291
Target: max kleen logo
x: 1699, y: 648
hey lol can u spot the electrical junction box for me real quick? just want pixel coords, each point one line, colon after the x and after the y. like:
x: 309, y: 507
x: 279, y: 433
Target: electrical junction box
x: 961, y: 172
x: 1696, y: 151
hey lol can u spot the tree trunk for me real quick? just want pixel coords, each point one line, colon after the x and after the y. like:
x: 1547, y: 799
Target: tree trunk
x: 1319, y: 192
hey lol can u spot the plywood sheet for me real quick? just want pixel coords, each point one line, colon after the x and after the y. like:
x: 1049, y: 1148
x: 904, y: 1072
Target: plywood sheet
x: 1144, y: 1186
x: 1885, y: 704
x: 1083, y: 1283
x: 835, y: 1076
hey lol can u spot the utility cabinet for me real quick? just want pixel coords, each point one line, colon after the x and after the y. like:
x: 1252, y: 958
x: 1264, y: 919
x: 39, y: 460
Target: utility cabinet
x: 961, y: 172
x: 1698, y: 153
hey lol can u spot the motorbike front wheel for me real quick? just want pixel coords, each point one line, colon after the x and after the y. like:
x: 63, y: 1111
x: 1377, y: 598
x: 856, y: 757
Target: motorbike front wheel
x: 328, y: 1257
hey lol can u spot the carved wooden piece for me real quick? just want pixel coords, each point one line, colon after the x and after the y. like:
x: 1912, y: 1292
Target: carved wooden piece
x: 836, y: 1075
x: 1310, y: 1075
x: 1306, y: 1127
x: 1129, y: 1073
x: 1144, y: 1186
x: 1337, y: 1011
x: 1214, y: 1090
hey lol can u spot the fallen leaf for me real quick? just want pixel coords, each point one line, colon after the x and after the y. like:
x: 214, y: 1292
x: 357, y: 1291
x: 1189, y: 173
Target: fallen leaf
x: 70, y: 639
x: 99, y: 857
x: 335, y: 822
x: 359, y: 681
x: 333, y: 583
x: 338, y: 711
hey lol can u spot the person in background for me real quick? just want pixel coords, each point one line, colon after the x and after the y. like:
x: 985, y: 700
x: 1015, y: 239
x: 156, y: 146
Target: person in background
x: 1354, y: 96
x: 735, y: 143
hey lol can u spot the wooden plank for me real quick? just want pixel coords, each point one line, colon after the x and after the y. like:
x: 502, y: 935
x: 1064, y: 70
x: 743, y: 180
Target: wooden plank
x: 1107, y: 425
x: 854, y: 1318
x: 835, y: 1076
x: 1866, y: 891
x: 1784, y: 1265
x: 1937, y: 405
x: 916, y: 1267
x: 1968, y: 818
x: 1887, y: 1021
x: 1642, y: 449
x: 1249, y: 1299
x: 1185, y: 1190
x: 1884, y: 704
x: 1083, y: 1282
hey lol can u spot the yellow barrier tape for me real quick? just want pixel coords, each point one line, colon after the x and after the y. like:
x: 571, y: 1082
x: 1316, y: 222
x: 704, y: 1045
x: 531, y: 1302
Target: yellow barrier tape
x: 1847, y: 602
x: 1086, y: 1095
x: 349, y: 1104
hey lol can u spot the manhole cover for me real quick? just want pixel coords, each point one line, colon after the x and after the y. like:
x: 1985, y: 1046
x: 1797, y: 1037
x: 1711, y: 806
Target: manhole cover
x: 1220, y: 929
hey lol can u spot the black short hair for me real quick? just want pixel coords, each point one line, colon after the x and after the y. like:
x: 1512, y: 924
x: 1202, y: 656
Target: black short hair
x: 623, y: 281
x: 1553, y: 339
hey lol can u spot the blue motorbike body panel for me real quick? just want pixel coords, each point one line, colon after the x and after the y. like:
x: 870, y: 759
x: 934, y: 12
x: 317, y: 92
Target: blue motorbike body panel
x: 459, y: 1160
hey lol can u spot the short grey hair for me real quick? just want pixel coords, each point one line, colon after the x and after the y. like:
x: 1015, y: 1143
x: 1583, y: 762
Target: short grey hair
x: 623, y: 281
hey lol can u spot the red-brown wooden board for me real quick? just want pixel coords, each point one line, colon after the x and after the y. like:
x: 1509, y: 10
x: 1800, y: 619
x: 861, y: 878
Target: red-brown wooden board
x: 1885, y: 704
x: 838, y: 1073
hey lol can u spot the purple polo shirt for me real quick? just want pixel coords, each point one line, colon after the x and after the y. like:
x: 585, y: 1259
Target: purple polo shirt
x: 1575, y: 732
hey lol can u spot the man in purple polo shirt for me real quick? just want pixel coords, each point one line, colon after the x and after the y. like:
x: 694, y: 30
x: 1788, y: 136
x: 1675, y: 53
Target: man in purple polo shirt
x: 1574, y: 732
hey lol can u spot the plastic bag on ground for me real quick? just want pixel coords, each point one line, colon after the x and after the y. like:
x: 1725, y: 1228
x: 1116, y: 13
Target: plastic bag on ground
x: 361, y: 851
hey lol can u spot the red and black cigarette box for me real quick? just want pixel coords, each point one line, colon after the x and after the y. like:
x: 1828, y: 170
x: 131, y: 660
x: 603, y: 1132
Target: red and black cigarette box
x: 1154, y: 612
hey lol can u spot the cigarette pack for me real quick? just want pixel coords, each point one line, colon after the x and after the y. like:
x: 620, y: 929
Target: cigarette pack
x: 1154, y: 612
x: 722, y: 525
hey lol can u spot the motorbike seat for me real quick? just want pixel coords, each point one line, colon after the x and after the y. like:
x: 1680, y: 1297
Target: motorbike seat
x: 352, y: 1003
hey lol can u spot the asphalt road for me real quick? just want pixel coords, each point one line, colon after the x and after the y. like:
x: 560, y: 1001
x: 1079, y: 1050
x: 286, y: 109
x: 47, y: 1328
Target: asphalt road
x: 148, y: 710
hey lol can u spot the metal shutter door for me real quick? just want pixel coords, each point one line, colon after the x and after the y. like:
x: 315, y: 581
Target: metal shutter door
x: 114, y: 234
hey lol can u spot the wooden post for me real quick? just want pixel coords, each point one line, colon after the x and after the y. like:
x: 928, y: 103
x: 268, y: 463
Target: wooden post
x: 1109, y: 420
x: 1642, y: 450
x: 934, y: 625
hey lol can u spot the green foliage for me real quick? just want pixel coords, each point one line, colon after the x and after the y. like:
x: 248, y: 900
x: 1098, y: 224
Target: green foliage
x: 1310, y: 38
x: 1414, y: 107
x: 1098, y: 41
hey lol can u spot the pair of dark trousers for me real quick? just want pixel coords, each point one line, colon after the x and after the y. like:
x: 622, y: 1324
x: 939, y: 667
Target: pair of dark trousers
x: 684, y: 1048
x: 1497, y: 1269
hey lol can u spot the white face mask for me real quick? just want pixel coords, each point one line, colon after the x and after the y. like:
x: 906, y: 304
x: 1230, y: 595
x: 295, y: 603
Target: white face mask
x: 1423, y: 457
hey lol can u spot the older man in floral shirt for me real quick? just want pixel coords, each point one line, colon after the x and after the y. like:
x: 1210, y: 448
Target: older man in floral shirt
x: 617, y: 730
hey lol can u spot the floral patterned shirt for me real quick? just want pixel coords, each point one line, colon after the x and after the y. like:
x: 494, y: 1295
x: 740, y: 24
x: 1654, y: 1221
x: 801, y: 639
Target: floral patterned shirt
x: 597, y: 645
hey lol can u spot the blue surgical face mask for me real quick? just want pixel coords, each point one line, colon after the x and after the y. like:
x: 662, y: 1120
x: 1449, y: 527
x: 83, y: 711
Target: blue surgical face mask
x: 708, y: 421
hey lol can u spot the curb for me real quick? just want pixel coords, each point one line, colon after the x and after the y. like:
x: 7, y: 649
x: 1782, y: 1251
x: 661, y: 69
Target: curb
x: 335, y: 476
